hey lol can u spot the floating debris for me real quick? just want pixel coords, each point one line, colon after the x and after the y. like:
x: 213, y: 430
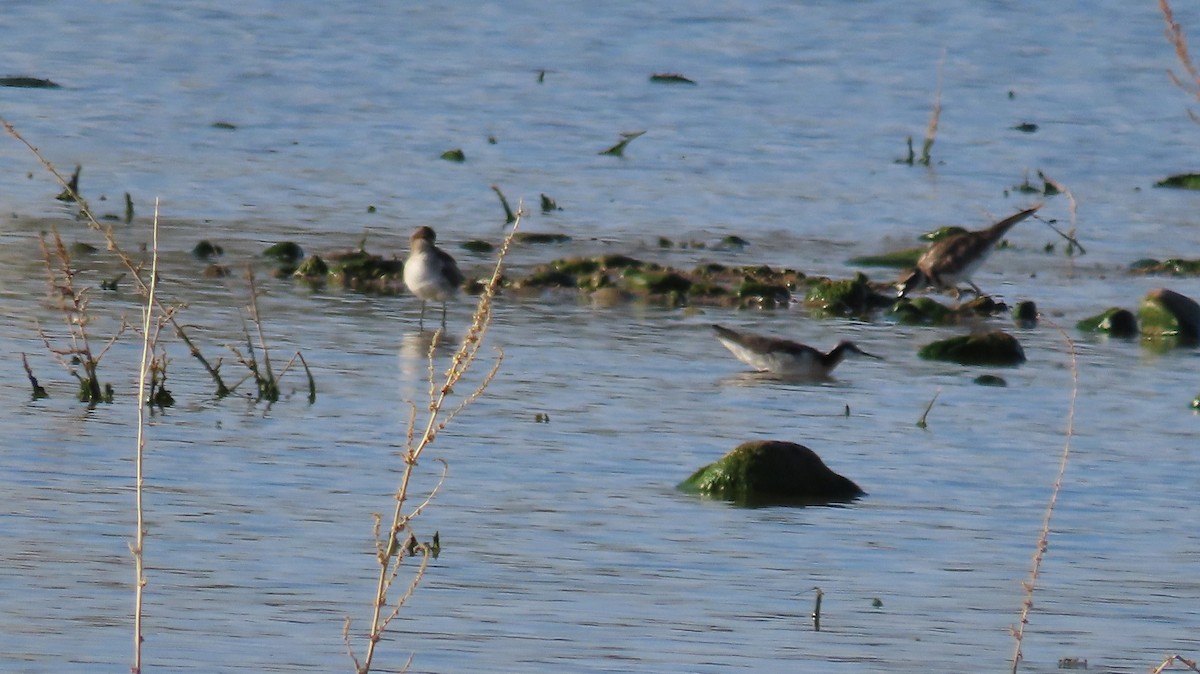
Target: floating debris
x: 732, y: 242
x: 627, y: 137
x: 111, y: 284
x: 990, y: 380
x: 1170, y: 267
x: 1114, y: 321
x: 1025, y: 314
x: 477, y: 246
x: 206, y: 250
x: 671, y: 78
x: 24, y: 82
x: 509, y: 216
x: 71, y: 191
x: 540, y: 237
x: 285, y: 251
x: 995, y: 347
x: 1183, y: 181
x: 454, y: 155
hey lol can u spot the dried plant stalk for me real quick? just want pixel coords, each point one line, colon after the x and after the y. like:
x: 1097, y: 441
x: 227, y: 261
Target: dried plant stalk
x: 134, y: 269
x: 138, y: 547
x: 1190, y: 664
x: 935, y: 116
x: 390, y: 551
x: 1030, y: 585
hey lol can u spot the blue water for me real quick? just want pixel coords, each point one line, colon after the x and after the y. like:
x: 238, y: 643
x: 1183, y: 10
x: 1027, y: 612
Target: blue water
x: 565, y: 546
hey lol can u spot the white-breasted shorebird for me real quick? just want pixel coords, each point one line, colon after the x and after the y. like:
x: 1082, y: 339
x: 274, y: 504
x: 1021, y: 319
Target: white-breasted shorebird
x: 955, y: 258
x: 429, y: 272
x: 785, y: 357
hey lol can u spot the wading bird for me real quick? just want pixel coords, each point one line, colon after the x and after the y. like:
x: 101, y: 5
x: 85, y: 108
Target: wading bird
x: 955, y: 258
x: 430, y: 273
x: 785, y: 357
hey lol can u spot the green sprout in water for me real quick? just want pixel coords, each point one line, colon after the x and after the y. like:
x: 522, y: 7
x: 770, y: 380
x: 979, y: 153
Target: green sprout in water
x: 921, y: 423
x: 627, y: 137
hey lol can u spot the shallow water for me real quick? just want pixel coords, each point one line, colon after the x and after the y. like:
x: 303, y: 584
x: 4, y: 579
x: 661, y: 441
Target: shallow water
x: 565, y: 545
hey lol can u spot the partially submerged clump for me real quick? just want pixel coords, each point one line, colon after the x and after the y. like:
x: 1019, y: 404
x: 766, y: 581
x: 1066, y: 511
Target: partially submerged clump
x: 1025, y: 314
x: 897, y: 259
x: 1168, y: 315
x: 1113, y: 321
x: 709, y: 285
x: 1183, y: 181
x: 671, y: 78
x: 848, y: 297
x: 478, y: 246
x: 285, y: 252
x: 367, y: 272
x: 1169, y: 267
x: 771, y: 472
x: 540, y: 238
x: 206, y: 250
x: 924, y: 310
x: 995, y: 347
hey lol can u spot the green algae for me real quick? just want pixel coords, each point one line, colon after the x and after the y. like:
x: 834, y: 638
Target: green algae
x: 1183, y: 181
x: 771, y: 472
x: 285, y: 251
x: 206, y: 250
x: 943, y: 233
x: 477, y: 246
x: 922, y: 311
x: 1168, y: 267
x: 1025, y: 314
x: 1113, y: 321
x: 1167, y: 315
x: 995, y: 347
x: 844, y: 297
x: 899, y: 259
x: 540, y: 238
x: 990, y: 380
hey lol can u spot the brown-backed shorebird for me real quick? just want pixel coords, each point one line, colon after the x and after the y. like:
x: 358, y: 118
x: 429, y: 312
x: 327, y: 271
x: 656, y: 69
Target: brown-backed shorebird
x: 430, y: 273
x: 955, y: 258
x: 785, y: 357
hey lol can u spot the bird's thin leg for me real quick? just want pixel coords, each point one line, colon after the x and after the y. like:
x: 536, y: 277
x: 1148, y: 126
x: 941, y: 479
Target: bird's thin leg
x: 421, y: 322
x: 443, y: 316
x: 978, y: 292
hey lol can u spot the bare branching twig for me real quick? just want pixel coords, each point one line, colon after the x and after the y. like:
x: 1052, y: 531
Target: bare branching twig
x: 70, y: 187
x: 138, y: 546
x: 1072, y: 209
x: 1190, y: 664
x: 389, y: 550
x: 935, y: 116
x: 1179, y: 41
x: 79, y: 359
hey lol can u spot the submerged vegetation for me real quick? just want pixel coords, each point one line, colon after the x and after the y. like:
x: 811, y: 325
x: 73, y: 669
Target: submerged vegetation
x: 83, y: 363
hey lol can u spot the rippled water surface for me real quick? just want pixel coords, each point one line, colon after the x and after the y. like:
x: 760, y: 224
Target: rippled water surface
x: 565, y: 547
